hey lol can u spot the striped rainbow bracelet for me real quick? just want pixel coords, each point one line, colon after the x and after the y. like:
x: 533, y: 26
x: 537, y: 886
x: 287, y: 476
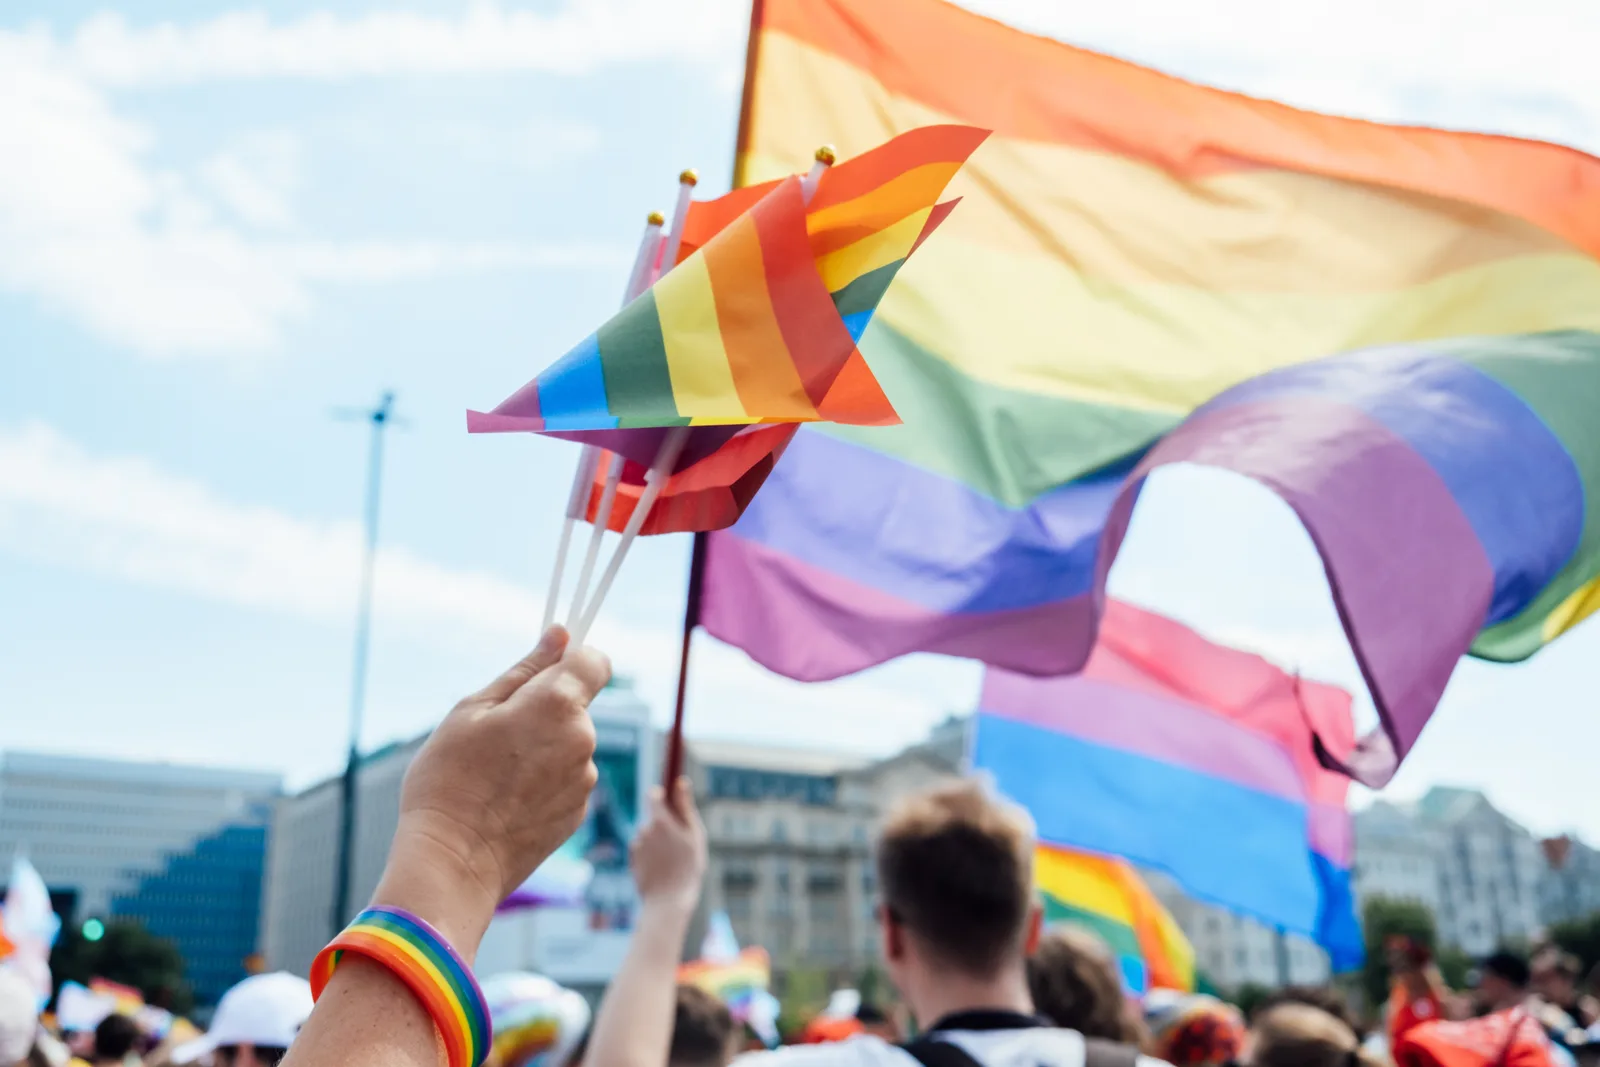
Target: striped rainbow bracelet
x: 427, y: 964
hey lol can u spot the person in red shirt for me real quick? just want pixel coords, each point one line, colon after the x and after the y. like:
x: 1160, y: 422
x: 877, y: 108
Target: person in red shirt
x: 1508, y: 1035
x: 1419, y: 994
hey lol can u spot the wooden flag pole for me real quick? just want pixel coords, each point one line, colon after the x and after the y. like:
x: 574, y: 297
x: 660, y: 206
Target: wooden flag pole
x: 672, y: 769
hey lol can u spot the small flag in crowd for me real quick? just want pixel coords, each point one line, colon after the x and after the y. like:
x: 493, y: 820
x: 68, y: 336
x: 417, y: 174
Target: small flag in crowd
x: 1107, y: 896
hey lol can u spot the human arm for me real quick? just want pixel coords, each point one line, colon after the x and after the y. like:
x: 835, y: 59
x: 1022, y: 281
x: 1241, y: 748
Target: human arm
x: 634, y: 1025
x: 500, y: 784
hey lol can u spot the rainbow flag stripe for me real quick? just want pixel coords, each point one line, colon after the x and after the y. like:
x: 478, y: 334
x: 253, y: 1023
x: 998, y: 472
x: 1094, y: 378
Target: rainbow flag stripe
x: 1107, y: 895
x: 759, y: 322
x: 731, y: 980
x: 1129, y: 247
x: 429, y: 967
x: 1174, y: 743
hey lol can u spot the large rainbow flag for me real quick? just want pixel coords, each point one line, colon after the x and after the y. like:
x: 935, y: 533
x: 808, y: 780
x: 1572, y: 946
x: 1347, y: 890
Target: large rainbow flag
x: 1106, y: 895
x: 1129, y: 247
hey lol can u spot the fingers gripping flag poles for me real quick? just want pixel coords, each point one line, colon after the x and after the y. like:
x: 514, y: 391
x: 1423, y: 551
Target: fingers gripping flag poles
x: 739, y: 323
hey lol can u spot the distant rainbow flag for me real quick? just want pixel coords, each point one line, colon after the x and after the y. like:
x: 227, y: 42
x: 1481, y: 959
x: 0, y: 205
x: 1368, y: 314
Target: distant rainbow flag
x: 125, y: 999
x: 730, y: 980
x: 562, y: 881
x: 1106, y: 895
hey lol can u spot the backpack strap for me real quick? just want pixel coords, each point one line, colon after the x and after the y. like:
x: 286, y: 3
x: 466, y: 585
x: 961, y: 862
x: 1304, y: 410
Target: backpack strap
x: 1098, y: 1052
x: 931, y: 1052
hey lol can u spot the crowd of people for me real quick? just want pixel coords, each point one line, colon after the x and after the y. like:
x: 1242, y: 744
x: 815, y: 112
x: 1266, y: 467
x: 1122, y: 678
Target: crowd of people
x: 978, y: 981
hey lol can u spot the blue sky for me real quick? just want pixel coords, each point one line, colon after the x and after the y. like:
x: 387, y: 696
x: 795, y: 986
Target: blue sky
x: 229, y: 222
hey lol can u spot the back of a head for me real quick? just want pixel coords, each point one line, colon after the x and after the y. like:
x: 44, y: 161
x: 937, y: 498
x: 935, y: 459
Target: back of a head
x: 955, y: 867
x: 1509, y: 966
x: 702, y: 1030
x: 1074, y: 982
x: 1322, y: 997
x: 114, y: 1038
x: 1299, y: 1035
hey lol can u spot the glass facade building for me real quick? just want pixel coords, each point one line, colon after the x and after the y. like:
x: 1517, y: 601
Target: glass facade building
x: 180, y: 849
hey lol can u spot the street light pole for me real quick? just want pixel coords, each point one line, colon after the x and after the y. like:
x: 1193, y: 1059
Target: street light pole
x: 379, y: 417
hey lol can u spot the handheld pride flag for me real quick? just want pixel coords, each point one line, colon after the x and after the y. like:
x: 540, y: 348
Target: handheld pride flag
x: 759, y: 322
x: 754, y: 321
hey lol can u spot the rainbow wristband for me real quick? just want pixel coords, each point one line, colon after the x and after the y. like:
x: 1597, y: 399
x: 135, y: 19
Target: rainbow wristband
x: 427, y: 964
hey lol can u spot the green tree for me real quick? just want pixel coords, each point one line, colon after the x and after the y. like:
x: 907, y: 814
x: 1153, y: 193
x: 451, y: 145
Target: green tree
x: 874, y: 987
x: 125, y: 953
x: 1381, y: 919
x: 1454, y: 963
x: 1581, y: 937
x: 803, y: 994
x: 1248, y: 997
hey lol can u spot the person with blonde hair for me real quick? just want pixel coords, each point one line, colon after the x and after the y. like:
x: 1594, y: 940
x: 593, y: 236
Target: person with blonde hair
x: 1299, y: 1035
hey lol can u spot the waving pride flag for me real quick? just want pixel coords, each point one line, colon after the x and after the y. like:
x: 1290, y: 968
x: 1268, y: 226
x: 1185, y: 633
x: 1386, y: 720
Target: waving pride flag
x: 1130, y: 246
x: 1191, y: 758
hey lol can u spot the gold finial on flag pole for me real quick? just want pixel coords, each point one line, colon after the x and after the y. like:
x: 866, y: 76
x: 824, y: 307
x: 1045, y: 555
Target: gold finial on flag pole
x: 824, y: 160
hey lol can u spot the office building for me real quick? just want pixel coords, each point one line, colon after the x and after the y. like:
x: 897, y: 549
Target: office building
x: 1475, y: 868
x: 180, y: 849
x: 1570, y: 886
x: 791, y: 834
x: 1231, y: 950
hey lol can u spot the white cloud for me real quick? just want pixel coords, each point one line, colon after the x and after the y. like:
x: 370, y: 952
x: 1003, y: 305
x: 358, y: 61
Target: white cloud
x: 131, y: 521
x: 488, y: 38
x: 1507, y: 69
x: 173, y: 264
x: 1499, y: 68
x: 256, y: 178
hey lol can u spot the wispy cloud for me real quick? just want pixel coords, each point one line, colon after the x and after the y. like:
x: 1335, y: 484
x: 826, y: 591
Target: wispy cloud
x: 1500, y: 69
x: 1511, y: 70
x: 172, y: 263
x: 578, y: 38
x: 129, y: 520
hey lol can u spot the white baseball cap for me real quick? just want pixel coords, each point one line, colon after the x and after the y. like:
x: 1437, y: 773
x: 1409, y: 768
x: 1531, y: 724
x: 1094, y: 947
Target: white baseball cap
x: 264, y: 1010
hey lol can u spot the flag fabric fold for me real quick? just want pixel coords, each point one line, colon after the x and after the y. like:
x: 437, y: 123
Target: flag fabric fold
x: 1447, y: 488
x: 709, y: 494
x: 1130, y: 246
x: 1190, y: 758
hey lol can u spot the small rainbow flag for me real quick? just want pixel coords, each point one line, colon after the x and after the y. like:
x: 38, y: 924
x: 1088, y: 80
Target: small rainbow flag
x: 760, y: 322
x: 730, y: 980
x: 1107, y: 895
x: 126, y: 999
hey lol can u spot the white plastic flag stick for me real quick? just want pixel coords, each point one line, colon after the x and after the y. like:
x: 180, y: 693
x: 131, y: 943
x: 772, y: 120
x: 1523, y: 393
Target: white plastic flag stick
x: 660, y: 470
x: 602, y: 519
x: 680, y: 214
x: 644, y: 263
x: 577, y: 506
x: 589, y: 459
x: 824, y: 159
